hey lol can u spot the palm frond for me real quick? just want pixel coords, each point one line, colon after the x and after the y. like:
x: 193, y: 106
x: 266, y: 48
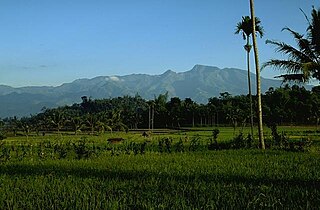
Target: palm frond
x: 292, y: 77
x: 313, y: 68
x: 313, y: 31
x: 288, y: 65
x: 303, y: 62
x: 245, y: 26
x: 292, y: 52
x: 304, y: 44
x: 295, y: 34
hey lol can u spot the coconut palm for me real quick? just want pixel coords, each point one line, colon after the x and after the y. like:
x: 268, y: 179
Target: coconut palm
x: 303, y: 62
x: 246, y: 28
x: 258, y: 80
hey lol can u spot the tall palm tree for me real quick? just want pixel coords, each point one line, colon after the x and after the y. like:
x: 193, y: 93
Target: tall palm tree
x: 245, y: 26
x: 303, y: 62
x: 256, y: 58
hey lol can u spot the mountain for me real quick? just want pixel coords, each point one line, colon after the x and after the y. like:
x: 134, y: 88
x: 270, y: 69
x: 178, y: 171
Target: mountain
x: 199, y: 83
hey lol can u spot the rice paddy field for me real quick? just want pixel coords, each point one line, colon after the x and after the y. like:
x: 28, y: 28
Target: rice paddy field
x: 167, y: 170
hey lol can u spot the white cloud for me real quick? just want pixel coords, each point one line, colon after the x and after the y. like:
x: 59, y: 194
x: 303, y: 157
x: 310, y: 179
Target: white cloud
x: 113, y: 78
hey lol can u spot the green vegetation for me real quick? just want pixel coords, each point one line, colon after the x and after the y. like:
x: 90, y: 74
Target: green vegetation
x: 171, y: 169
x: 303, y: 62
x: 246, y: 27
x: 123, y: 113
x: 210, y: 180
x: 129, y: 153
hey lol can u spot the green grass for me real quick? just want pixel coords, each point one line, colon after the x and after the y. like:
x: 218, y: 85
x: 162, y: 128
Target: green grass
x: 228, y: 179
x: 224, y: 179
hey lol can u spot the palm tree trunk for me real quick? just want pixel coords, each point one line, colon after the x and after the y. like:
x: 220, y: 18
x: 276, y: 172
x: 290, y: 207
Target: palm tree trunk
x: 192, y: 118
x: 249, y: 85
x: 152, y: 125
x: 149, y: 117
x: 255, y: 47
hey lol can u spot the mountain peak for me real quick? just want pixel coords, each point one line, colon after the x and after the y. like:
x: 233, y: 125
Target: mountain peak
x: 199, y: 67
x: 199, y: 83
x: 168, y: 72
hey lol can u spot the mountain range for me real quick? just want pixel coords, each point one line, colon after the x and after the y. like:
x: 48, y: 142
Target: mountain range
x: 199, y: 83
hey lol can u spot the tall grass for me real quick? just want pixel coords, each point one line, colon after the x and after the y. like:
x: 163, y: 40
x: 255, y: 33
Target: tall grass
x: 199, y: 180
x: 61, y: 172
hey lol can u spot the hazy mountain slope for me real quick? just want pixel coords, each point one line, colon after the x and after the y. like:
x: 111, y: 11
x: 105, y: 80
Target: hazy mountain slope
x: 199, y: 83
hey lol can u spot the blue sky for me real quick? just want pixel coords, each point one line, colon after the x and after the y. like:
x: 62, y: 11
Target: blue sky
x: 50, y: 42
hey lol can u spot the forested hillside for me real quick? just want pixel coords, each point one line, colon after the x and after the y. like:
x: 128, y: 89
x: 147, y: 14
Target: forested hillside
x: 288, y: 105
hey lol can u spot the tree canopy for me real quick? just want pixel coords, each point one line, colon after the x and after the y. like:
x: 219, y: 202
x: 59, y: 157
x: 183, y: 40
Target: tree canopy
x: 303, y: 61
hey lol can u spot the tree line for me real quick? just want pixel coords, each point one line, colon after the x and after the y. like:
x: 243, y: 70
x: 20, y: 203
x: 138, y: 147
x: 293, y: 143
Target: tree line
x: 282, y: 106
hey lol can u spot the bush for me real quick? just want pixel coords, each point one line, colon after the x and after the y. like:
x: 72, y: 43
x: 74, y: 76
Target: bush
x: 5, y: 153
x: 81, y: 149
x: 281, y: 141
x: 2, y: 136
x: 213, y: 143
x: 301, y: 145
x: 165, y: 144
x: 179, y: 147
x: 62, y: 150
x: 238, y: 142
x: 194, y: 143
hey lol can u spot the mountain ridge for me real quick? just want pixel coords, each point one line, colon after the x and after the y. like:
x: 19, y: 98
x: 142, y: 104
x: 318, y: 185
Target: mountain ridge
x: 199, y: 83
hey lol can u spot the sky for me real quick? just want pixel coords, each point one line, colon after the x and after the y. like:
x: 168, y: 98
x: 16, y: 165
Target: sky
x: 51, y: 42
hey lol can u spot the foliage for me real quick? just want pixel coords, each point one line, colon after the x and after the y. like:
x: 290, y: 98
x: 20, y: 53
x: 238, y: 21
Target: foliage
x: 302, y: 63
x: 2, y: 135
x: 97, y: 117
x: 282, y: 141
x: 195, y: 143
x: 246, y: 27
x: 213, y: 144
x: 242, y: 179
x: 81, y: 149
x: 240, y: 142
x: 165, y: 145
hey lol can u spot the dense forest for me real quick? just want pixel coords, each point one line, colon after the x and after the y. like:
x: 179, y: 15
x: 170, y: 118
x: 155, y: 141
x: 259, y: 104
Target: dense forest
x: 281, y: 106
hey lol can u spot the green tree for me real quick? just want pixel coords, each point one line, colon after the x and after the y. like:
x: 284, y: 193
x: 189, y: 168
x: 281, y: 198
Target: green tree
x: 161, y: 111
x: 315, y: 102
x: 246, y: 28
x: 13, y: 125
x: 189, y: 108
x: 25, y: 125
x: 276, y: 106
x: 103, y: 122
x: 57, y: 118
x: 174, y: 107
x: 91, y: 121
x: 115, y: 122
x: 214, y: 104
x: 303, y: 61
x: 75, y: 120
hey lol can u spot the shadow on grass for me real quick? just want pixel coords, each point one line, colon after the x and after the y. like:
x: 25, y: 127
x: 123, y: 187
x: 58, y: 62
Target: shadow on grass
x: 125, y: 175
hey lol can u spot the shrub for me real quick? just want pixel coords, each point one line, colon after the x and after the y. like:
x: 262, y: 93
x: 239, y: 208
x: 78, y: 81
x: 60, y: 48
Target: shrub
x: 161, y: 145
x: 213, y: 143
x: 81, y: 149
x: 164, y: 145
x: 179, y: 147
x: 194, y: 143
x: 2, y: 135
x: 61, y: 150
x: 142, y: 147
x: 5, y: 153
x: 281, y: 141
x: 239, y: 142
x: 299, y: 146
